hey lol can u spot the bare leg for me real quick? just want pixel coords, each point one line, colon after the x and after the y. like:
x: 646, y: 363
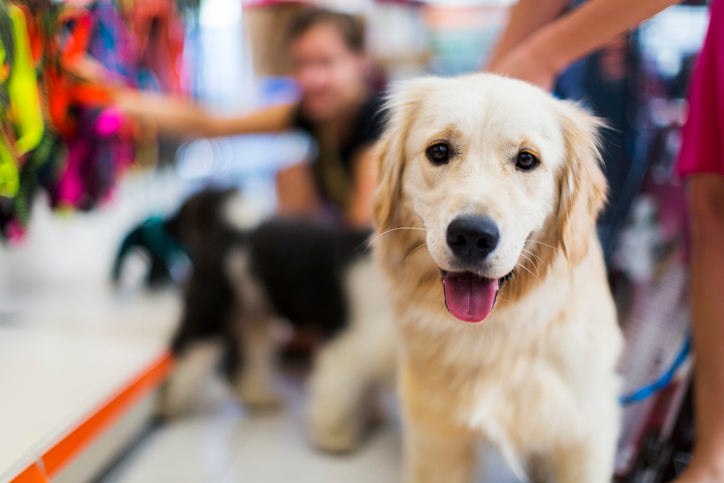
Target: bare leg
x: 706, y: 209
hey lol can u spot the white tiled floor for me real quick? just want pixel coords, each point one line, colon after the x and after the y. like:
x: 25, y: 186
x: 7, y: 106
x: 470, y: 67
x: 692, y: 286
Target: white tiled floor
x: 224, y: 444
x: 220, y: 442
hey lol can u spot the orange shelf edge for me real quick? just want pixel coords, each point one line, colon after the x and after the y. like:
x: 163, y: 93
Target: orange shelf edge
x: 63, y: 452
x: 32, y: 474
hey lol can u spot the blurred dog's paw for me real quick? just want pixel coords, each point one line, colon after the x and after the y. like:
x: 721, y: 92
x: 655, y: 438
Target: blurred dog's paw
x: 258, y: 396
x: 172, y: 402
x: 333, y: 434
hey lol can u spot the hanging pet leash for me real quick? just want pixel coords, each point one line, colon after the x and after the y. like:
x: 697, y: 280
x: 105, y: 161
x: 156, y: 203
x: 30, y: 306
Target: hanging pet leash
x: 663, y: 380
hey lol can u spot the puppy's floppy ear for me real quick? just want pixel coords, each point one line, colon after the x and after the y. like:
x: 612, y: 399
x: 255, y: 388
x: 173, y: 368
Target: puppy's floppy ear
x: 391, y: 162
x: 391, y: 155
x: 582, y: 184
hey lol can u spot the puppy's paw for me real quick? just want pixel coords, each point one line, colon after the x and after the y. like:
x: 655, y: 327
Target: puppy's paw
x: 334, y: 434
x: 258, y: 396
x: 170, y: 408
x: 174, y: 400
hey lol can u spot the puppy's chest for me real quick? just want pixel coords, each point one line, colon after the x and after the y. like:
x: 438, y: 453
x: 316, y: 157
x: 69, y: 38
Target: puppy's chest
x: 521, y: 397
x: 527, y: 393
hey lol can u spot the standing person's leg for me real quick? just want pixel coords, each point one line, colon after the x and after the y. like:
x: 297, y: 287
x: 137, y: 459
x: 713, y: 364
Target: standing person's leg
x: 701, y: 162
x: 706, y: 210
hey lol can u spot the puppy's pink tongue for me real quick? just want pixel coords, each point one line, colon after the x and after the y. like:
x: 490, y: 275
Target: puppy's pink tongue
x: 468, y: 297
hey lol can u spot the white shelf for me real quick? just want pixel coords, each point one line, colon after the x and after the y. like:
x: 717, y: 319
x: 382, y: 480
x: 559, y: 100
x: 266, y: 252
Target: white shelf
x: 55, y: 374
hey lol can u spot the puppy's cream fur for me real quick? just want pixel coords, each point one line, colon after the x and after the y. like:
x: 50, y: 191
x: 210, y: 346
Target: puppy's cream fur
x: 536, y: 377
x: 350, y: 370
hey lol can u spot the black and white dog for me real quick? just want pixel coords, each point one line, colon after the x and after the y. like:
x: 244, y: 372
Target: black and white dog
x: 245, y: 274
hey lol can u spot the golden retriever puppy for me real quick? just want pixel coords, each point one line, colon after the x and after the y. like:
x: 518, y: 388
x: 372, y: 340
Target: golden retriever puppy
x: 485, y: 210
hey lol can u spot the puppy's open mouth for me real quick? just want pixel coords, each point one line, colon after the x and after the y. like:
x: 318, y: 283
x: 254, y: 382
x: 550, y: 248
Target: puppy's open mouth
x: 470, y: 297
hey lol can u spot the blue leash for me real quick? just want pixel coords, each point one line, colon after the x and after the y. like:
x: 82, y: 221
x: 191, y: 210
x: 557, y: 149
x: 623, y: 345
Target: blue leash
x: 663, y: 381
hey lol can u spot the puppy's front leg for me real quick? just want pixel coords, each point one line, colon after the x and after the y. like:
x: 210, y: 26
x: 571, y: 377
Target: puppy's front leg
x: 434, y: 456
x: 341, y: 387
x: 592, y: 458
x: 193, y: 366
x: 435, y: 448
x: 255, y: 383
x: 336, y: 393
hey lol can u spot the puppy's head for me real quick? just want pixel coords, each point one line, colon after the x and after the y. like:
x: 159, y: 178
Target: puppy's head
x: 202, y: 226
x: 499, y: 175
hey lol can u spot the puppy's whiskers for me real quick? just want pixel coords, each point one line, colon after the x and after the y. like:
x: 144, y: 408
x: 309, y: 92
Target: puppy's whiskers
x: 531, y: 263
x: 374, y: 239
x: 541, y: 243
x: 527, y: 254
x: 413, y: 251
x: 527, y: 270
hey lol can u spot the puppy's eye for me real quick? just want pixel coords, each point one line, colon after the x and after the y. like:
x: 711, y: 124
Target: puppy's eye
x: 526, y: 161
x: 438, y: 153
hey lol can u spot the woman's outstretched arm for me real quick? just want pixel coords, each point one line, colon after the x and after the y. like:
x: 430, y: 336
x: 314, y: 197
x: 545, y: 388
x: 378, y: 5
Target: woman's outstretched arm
x: 183, y: 118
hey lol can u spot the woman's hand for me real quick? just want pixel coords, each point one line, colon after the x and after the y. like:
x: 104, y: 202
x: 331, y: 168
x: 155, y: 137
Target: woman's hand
x: 551, y: 47
x: 526, y: 63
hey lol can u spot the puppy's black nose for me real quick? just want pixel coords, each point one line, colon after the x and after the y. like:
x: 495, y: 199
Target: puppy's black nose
x: 472, y: 237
